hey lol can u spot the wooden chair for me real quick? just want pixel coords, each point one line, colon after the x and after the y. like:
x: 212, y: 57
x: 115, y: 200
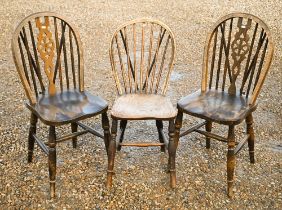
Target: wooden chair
x: 237, y: 58
x: 142, y: 55
x: 48, y: 55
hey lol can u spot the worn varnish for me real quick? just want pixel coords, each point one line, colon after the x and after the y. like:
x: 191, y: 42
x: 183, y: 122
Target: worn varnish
x: 142, y: 55
x: 48, y: 56
x: 237, y: 58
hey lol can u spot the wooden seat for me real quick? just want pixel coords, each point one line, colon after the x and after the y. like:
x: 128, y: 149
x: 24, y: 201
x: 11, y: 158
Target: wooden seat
x: 48, y: 56
x: 142, y: 55
x: 143, y: 106
x: 237, y: 58
x: 217, y: 106
x: 68, y: 106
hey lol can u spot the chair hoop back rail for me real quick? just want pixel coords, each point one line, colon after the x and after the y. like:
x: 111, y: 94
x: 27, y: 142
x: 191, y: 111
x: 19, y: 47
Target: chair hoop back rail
x: 236, y: 60
x: 139, y: 66
x: 142, y: 53
x: 47, y: 51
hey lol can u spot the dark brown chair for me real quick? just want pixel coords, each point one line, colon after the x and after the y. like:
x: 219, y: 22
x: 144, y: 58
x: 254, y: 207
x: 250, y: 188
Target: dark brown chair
x: 48, y: 55
x: 237, y: 58
x: 142, y: 55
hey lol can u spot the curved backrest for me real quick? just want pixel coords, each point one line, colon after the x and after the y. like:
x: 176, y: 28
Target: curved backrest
x: 142, y: 55
x: 237, y: 55
x: 48, y: 55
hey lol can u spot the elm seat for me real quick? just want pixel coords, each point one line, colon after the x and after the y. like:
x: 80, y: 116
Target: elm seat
x: 216, y: 105
x: 143, y: 106
x: 67, y: 106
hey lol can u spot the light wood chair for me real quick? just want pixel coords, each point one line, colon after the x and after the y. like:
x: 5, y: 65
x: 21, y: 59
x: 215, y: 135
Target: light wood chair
x: 237, y: 57
x: 142, y: 55
x: 48, y: 56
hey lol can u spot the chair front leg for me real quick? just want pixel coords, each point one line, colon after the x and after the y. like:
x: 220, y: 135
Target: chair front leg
x: 230, y: 160
x: 172, y: 153
x: 251, y: 139
x: 73, y: 130
x: 178, y: 125
x: 160, y: 126
x: 208, y: 129
x: 123, y: 124
x: 32, y: 130
x: 111, y: 153
x: 52, y: 160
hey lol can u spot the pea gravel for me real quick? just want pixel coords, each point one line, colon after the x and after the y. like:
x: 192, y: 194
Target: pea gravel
x: 141, y: 181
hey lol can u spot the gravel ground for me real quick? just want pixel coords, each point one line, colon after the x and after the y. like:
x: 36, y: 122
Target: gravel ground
x: 140, y: 181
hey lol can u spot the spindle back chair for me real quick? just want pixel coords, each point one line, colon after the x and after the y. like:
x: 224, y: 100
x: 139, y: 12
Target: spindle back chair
x: 142, y: 54
x: 48, y: 55
x: 237, y: 57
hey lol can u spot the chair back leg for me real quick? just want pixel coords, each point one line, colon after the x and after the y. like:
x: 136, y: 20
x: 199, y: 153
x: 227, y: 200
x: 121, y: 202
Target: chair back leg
x: 178, y: 125
x: 160, y: 126
x: 230, y: 160
x: 73, y: 130
x: 52, y: 160
x: 123, y: 124
x: 251, y: 139
x: 172, y: 154
x: 111, y: 153
x: 31, y: 140
x: 208, y: 129
x: 106, y: 128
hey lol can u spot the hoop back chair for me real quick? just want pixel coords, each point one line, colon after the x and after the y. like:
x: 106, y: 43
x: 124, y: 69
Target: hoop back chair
x: 142, y: 55
x: 48, y: 56
x: 237, y: 57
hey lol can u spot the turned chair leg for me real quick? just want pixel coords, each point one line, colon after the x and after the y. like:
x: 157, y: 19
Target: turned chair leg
x: 111, y: 153
x: 230, y: 160
x: 178, y: 125
x: 123, y: 124
x: 32, y: 130
x: 106, y: 128
x: 160, y: 126
x: 208, y: 129
x: 251, y: 139
x: 73, y: 130
x: 52, y: 160
x: 172, y: 153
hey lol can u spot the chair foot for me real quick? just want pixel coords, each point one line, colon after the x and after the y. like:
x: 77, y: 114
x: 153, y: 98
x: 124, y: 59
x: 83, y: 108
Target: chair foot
x: 109, y: 179
x: 52, y: 190
x: 230, y: 192
x: 32, y: 130
x: 172, y: 179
